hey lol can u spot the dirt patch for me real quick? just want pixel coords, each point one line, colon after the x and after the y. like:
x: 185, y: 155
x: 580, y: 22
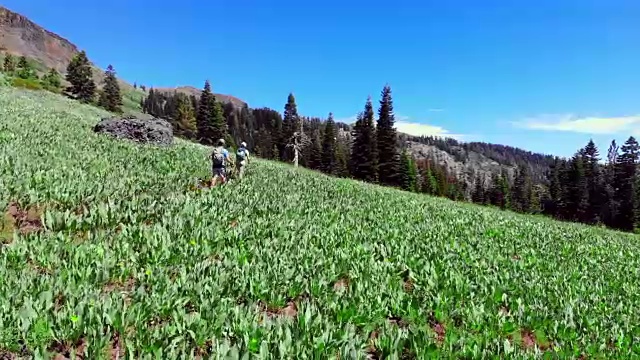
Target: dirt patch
x: 58, y: 301
x: 398, y: 321
x: 64, y: 350
x: 438, y: 328
x: 24, y: 220
x: 529, y: 340
x: 116, y: 348
x: 204, y: 351
x: 80, y: 237
x: 504, y: 310
x: 120, y: 286
x: 516, y: 257
x: 440, y: 331
x: 288, y: 311
x: 341, y: 284
x: 158, y: 321
x: 8, y: 355
x: 124, y: 288
x: 38, y: 268
x: 372, y: 353
x: 408, y: 286
x: 200, y: 184
x: 190, y: 307
x: 407, y: 282
x: 233, y: 223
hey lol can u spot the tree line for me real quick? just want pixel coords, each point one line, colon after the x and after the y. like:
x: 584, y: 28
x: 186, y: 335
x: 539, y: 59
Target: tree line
x: 580, y: 189
x: 83, y: 88
x: 24, y: 74
x: 79, y: 75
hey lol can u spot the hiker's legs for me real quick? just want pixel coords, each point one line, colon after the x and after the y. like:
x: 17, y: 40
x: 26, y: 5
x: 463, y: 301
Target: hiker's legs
x: 218, y: 174
x: 240, y: 171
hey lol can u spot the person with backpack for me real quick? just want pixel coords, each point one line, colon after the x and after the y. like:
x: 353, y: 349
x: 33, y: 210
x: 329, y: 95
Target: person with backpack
x: 242, y: 158
x: 219, y: 158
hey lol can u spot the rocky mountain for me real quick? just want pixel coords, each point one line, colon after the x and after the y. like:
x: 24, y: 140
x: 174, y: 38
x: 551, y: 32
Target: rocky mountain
x: 20, y: 36
x: 467, y: 160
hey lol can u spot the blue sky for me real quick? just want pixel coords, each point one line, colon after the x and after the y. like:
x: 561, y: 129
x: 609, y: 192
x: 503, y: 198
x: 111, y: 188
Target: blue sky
x: 544, y: 76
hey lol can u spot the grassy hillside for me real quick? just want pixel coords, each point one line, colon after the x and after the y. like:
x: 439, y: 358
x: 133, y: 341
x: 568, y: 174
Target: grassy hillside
x: 288, y: 262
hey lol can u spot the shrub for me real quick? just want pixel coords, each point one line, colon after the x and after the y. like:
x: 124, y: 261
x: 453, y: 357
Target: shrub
x: 31, y: 84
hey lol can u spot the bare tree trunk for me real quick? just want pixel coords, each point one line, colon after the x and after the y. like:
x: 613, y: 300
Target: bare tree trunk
x: 298, y: 141
x: 295, y: 155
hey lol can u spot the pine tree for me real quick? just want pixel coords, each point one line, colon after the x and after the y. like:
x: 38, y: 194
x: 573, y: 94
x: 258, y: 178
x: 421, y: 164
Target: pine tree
x: 388, y: 162
x: 609, y: 208
x: 204, y: 117
x: 625, y: 180
x: 413, y: 175
x: 329, y: 146
x: 315, y: 161
x: 522, y: 190
x: 478, y: 195
x: 637, y: 203
x: 25, y: 70
x: 9, y: 64
x: 364, y: 154
x: 494, y: 193
x: 499, y: 190
x: 341, y: 159
x: 110, y: 97
x: 185, y: 117
x: 80, y: 76
x: 429, y: 181
x: 290, y: 124
x: 51, y: 81
x: 505, y: 202
x: 407, y: 172
x: 577, y: 194
x: 594, y: 182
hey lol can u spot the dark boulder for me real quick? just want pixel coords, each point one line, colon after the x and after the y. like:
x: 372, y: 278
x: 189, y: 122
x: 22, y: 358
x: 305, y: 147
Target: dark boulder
x: 153, y: 131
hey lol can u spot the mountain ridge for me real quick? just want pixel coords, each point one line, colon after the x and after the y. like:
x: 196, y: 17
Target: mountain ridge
x: 21, y: 36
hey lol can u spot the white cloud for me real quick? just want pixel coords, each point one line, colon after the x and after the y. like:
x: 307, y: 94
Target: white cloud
x: 435, y: 110
x: 419, y: 129
x: 588, y: 125
x: 404, y: 125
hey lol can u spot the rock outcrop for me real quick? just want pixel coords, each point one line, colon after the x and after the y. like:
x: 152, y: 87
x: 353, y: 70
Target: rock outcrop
x: 154, y: 131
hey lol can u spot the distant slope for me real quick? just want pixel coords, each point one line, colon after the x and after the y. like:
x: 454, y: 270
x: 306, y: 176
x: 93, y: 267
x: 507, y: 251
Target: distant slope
x: 21, y: 36
x: 190, y: 90
x: 468, y: 159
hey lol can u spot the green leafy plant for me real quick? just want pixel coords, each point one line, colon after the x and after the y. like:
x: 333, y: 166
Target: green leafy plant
x: 121, y: 254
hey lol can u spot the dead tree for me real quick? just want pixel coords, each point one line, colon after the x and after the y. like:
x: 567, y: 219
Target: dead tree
x: 298, y: 141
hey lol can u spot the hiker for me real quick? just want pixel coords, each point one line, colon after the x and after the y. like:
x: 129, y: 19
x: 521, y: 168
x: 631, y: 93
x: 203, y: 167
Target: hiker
x: 242, y: 158
x: 219, y: 159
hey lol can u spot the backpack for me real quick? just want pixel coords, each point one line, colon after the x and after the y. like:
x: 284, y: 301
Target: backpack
x: 217, y: 156
x: 241, y: 155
